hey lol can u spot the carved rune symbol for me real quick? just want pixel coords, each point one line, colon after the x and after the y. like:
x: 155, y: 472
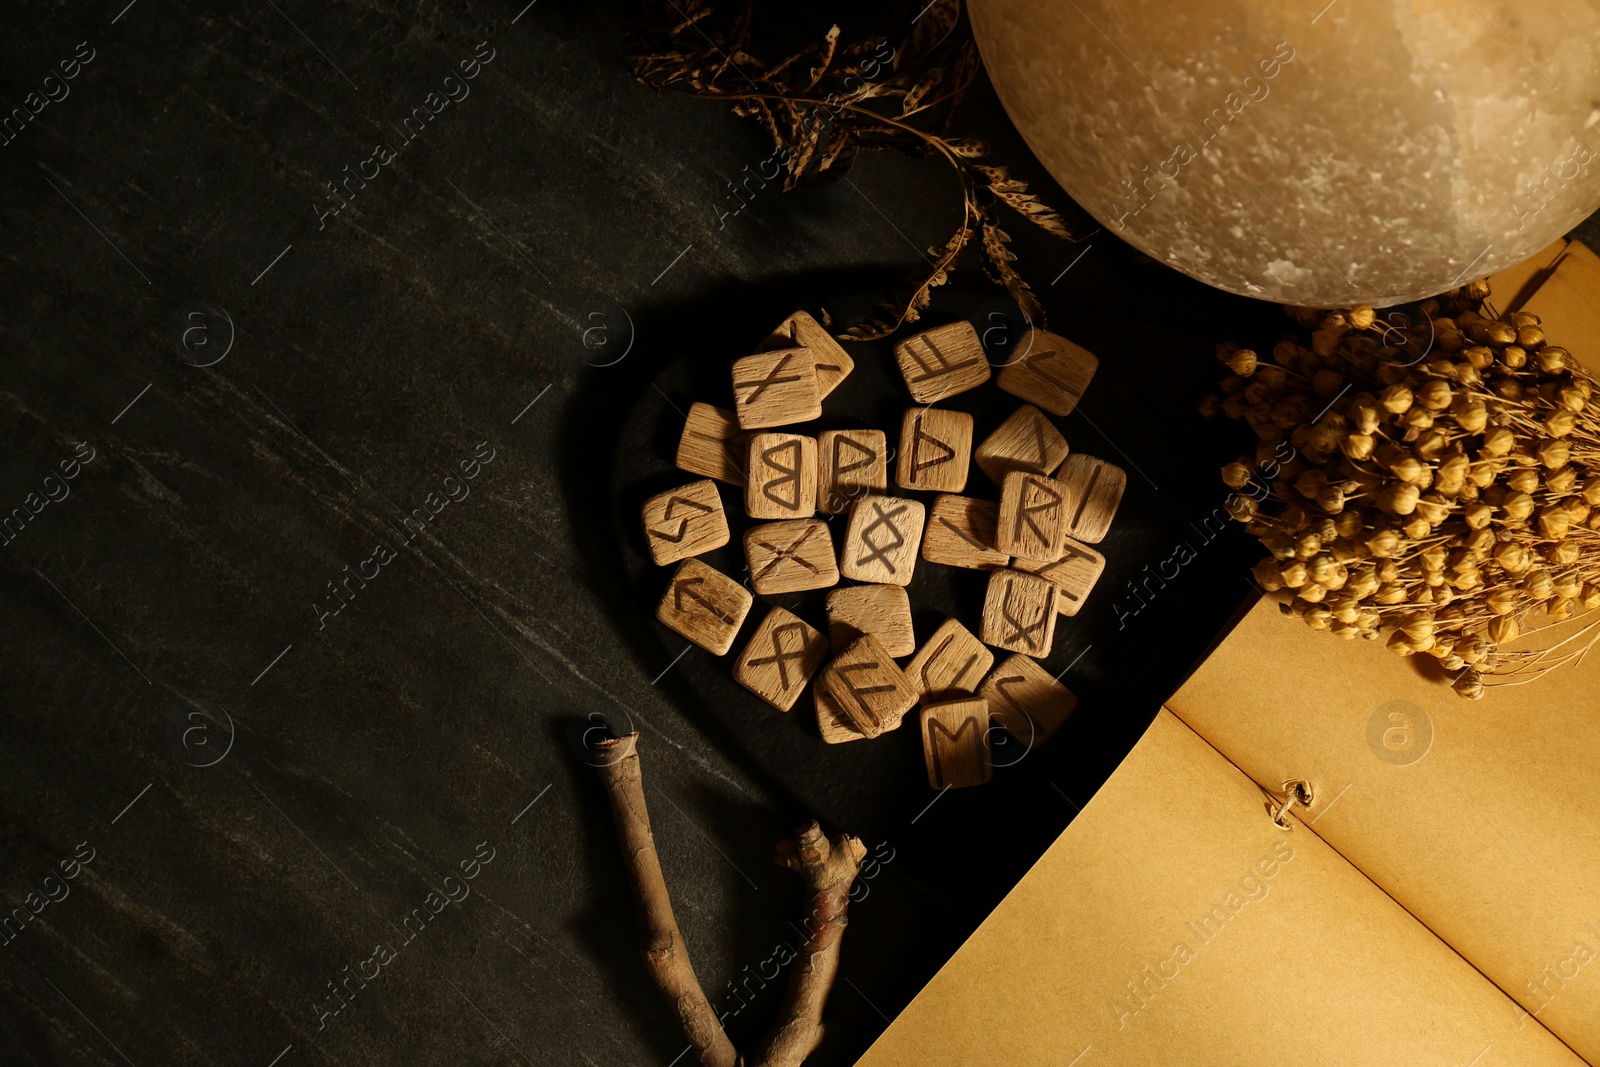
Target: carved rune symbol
x: 789, y: 501
x: 681, y: 588
x: 964, y: 535
x: 862, y: 714
x: 841, y: 467
x: 779, y: 655
x: 761, y: 385
x: 1032, y: 633
x: 932, y: 362
x: 683, y: 524
x: 788, y: 552
x: 1026, y: 512
x: 1033, y: 363
x: 1000, y: 685
x: 927, y: 682
x: 882, y: 520
x: 1038, y: 439
x: 1071, y: 554
x: 1088, y: 490
x: 951, y: 741
x: 919, y: 436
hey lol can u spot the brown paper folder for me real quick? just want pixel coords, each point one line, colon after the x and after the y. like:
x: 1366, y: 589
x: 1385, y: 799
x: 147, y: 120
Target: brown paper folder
x: 1174, y: 923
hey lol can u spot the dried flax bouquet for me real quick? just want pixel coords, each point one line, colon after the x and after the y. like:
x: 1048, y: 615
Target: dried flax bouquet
x: 1442, y: 482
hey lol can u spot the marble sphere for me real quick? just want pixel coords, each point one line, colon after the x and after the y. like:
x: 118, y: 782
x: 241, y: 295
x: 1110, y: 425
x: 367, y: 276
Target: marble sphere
x: 1316, y: 153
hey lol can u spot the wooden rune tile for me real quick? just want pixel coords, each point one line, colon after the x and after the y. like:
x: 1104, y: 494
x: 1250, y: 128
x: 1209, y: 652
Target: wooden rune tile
x: 776, y: 388
x: 935, y: 450
x: 884, y: 611
x: 1019, y: 613
x: 1027, y: 441
x: 1094, y: 489
x: 961, y: 533
x: 955, y: 743
x: 800, y: 330
x: 850, y: 464
x: 880, y: 543
x: 1074, y: 574
x: 1048, y: 371
x: 685, y: 522
x: 1033, y: 516
x: 942, y: 362
x: 712, y: 444
x: 951, y: 664
x: 861, y: 693
x: 782, y: 481
x: 785, y: 557
x: 1025, y: 700
x: 780, y: 659
x: 705, y: 605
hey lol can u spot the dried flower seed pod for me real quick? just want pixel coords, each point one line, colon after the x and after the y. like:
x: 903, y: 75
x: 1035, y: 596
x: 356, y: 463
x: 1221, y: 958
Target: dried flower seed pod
x: 1512, y: 556
x: 1563, y: 554
x: 1553, y: 359
x: 1384, y: 543
x: 1242, y: 362
x: 1561, y: 481
x: 1554, y: 522
x: 1502, y: 601
x: 1236, y: 475
x: 1503, y: 629
x: 1517, y: 506
x: 1538, y: 584
x: 1469, y: 685
x: 1417, y: 528
x: 1294, y: 574
x: 1268, y: 576
x: 1435, y: 394
x: 1560, y: 423
x: 1498, y: 442
x: 1569, y: 584
x: 1398, y: 498
x: 1555, y: 453
x: 1396, y: 399
x: 1391, y: 593
x: 1523, y: 480
x: 1499, y: 334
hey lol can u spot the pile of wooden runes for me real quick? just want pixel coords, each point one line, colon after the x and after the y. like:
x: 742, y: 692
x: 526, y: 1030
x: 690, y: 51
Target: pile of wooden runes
x: 1034, y: 540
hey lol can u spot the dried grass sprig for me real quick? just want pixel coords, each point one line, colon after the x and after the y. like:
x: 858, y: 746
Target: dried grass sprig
x: 826, y: 103
x: 1436, y: 484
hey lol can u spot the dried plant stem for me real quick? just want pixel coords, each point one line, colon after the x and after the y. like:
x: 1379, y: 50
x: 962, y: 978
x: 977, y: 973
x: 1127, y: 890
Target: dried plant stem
x: 828, y: 866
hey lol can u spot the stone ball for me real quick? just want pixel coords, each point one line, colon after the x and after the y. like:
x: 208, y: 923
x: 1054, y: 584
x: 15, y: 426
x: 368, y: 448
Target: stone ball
x: 1376, y: 152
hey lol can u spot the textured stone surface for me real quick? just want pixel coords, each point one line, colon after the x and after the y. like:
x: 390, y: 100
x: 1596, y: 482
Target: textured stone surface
x: 1372, y: 152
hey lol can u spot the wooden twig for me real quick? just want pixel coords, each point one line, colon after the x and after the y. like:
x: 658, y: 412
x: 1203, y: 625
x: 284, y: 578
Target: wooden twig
x: 664, y: 952
x: 828, y: 866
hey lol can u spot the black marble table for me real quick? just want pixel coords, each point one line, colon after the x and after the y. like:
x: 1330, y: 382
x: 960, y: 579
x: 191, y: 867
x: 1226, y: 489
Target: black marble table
x: 324, y: 541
